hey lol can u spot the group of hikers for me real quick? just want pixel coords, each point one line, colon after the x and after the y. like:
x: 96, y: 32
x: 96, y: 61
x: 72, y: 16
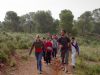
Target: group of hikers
x: 48, y: 49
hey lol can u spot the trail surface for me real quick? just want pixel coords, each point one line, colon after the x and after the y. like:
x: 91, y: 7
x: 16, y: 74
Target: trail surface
x: 29, y: 68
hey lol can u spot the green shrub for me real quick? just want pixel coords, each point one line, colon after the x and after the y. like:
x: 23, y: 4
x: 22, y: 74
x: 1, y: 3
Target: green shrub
x: 3, y: 57
x: 84, y: 68
x: 89, y: 53
x: 11, y: 47
x: 18, y: 38
x: 22, y: 44
x: 25, y: 57
x: 74, y: 32
x: 12, y: 63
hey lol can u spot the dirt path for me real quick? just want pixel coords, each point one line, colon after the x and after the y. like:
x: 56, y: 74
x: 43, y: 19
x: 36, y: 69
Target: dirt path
x: 29, y: 68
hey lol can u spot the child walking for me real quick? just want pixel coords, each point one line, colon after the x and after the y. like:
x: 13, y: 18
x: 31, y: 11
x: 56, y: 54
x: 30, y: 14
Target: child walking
x: 75, y: 50
x: 48, y: 47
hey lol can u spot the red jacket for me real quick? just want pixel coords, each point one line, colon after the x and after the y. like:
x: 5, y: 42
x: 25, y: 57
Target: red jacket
x: 48, y: 45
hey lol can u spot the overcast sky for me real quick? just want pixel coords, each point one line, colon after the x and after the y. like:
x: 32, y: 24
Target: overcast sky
x: 55, y: 6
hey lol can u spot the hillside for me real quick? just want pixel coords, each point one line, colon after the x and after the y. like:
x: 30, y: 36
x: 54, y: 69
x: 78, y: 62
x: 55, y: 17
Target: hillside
x: 14, y: 59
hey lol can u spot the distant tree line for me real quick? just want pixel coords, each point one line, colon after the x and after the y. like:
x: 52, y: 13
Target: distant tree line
x: 42, y: 22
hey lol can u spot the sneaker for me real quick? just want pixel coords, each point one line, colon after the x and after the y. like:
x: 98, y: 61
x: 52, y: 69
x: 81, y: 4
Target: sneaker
x: 40, y: 72
x: 63, y: 69
x: 73, y: 67
x: 66, y: 71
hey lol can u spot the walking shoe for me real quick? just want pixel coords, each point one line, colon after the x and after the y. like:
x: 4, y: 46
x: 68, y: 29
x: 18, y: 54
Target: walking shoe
x: 40, y: 72
x: 73, y: 67
x: 66, y: 71
x: 63, y: 69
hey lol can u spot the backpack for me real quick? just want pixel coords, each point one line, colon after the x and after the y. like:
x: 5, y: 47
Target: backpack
x: 76, y: 46
x: 54, y: 43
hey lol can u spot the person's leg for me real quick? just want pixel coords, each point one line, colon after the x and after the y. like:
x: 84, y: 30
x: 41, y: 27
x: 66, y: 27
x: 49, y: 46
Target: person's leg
x: 73, y: 59
x: 40, y: 63
x: 47, y: 57
x: 44, y: 55
x: 62, y: 59
x: 55, y: 52
x: 36, y: 55
x: 66, y: 60
x: 50, y: 57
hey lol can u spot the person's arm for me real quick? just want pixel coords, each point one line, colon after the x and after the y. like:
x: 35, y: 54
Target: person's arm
x: 31, y: 48
x: 69, y: 43
x: 59, y: 43
x: 69, y: 47
x: 52, y: 46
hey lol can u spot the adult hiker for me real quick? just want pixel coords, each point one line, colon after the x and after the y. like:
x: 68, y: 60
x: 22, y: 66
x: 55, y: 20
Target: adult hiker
x: 64, y: 42
x: 38, y: 45
x: 48, y: 47
x: 54, y: 46
x: 75, y: 50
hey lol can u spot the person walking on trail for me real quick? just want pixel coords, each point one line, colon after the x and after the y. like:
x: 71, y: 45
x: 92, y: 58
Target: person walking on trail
x: 64, y: 42
x: 48, y: 47
x: 44, y: 50
x: 54, y: 46
x: 75, y: 49
x: 38, y: 45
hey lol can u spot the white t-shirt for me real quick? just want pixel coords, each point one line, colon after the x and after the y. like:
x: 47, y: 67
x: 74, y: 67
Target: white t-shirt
x: 73, y: 48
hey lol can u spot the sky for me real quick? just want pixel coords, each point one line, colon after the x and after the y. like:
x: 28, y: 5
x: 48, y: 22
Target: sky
x: 22, y: 7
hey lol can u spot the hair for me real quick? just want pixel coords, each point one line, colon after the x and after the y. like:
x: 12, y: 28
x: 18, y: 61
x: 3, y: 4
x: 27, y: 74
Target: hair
x: 44, y: 38
x: 64, y: 31
x: 73, y: 38
x: 37, y: 36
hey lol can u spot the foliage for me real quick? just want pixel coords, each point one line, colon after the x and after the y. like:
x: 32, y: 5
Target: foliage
x: 96, y: 17
x: 11, y: 21
x: 88, y: 62
x: 40, y: 21
x: 66, y: 20
x: 3, y: 57
x: 9, y: 42
x: 85, y: 22
x: 89, y: 51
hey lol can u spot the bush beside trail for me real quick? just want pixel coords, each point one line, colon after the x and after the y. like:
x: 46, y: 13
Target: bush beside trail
x: 9, y: 42
x: 88, y: 63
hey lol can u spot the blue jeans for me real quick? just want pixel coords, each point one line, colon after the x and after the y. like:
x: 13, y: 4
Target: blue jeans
x: 39, y: 58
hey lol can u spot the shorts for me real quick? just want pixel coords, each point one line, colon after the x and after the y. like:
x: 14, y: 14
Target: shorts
x: 64, y: 56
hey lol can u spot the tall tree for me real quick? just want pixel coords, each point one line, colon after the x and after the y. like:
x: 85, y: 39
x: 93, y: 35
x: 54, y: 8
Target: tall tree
x: 96, y: 17
x: 85, y: 22
x: 44, y: 21
x: 66, y: 20
x: 27, y: 23
x: 11, y: 21
x: 0, y: 25
x: 55, y: 27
